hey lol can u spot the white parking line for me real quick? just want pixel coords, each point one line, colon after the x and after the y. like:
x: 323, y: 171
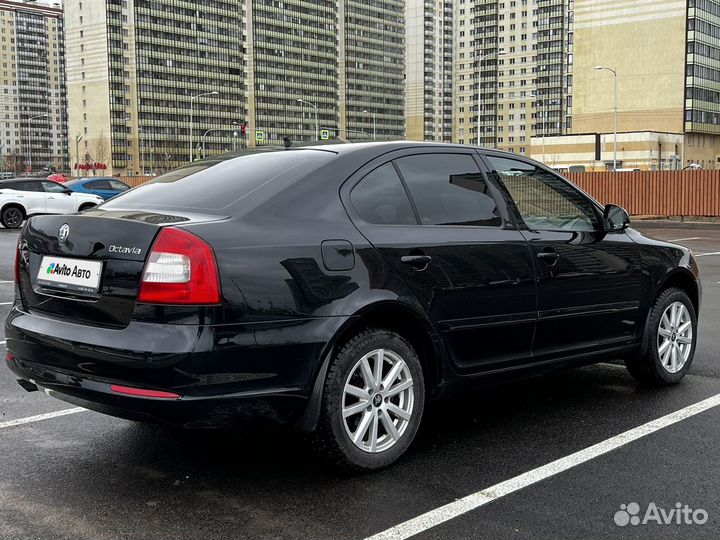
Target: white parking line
x: 689, y: 238
x: 2, y: 342
x: 38, y: 417
x: 7, y: 281
x: 704, y: 254
x: 6, y: 303
x: 471, y: 502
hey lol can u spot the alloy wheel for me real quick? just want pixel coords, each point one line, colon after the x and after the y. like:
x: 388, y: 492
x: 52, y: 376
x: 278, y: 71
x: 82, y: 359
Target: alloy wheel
x: 675, y: 337
x: 378, y: 401
x: 13, y: 217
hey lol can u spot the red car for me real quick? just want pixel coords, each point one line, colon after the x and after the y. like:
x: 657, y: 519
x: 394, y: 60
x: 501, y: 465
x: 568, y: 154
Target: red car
x: 58, y: 177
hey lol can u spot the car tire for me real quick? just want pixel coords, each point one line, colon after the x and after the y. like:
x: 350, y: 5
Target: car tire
x: 669, y: 341
x: 12, y: 217
x: 364, y: 440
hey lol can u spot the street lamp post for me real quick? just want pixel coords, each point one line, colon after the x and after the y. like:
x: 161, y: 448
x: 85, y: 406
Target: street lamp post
x: 193, y: 98
x: 317, y: 126
x: 499, y: 52
x: 374, y: 124
x: 611, y: 70
x: 29, y: 167
x: 203, y: 139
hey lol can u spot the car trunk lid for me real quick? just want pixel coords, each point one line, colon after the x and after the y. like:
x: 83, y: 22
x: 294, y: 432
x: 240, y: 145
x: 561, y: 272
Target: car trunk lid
x: 87, y: 267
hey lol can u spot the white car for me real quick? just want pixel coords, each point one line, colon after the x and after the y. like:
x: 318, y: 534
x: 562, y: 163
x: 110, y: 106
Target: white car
x: 21, y: 198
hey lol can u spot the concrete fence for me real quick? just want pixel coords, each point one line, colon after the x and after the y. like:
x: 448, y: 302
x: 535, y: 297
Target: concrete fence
x: 655, y: 193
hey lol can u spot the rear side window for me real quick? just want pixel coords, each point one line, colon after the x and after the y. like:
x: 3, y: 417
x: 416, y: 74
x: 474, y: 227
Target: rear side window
x: 98, y: 184
x: 380, y: 198
x: 449, y: 189
x: 216, y: 186
x: 25, y: 186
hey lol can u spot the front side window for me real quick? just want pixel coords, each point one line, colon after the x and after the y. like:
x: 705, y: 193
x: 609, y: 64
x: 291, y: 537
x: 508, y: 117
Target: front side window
x: 52, y: 187
x: 544, y: 200
x: 98, y: 184
x: 449, y: 189
x: 380, y: 198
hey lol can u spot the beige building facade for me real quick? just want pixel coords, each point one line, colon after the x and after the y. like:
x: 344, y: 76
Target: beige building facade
x: 664, y: 59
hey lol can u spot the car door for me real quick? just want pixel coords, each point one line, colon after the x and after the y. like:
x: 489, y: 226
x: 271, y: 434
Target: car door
x: 453, y: 245
x: 31, y: 195
x: 589, y: 280
x: 58, y: 198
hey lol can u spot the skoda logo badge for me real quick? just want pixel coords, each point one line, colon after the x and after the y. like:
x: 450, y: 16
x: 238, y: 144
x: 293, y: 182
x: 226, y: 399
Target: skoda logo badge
x: 63, y: 233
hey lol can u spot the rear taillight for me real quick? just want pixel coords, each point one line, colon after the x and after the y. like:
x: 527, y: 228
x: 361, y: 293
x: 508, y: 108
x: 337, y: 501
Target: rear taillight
x: 180, y: 269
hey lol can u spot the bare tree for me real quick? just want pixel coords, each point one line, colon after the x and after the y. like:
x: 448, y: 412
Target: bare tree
x: 101, y: 150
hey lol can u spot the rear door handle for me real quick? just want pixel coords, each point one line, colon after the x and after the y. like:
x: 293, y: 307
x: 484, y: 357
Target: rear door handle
x: 416, y: 261
x: 549, y: 257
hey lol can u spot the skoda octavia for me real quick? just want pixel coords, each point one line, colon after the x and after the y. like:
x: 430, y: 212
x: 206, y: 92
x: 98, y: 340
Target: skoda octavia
x: 339, y: 288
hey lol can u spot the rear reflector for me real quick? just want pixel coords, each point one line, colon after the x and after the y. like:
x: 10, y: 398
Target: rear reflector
x: 141, y: 392
x: 180, y: 269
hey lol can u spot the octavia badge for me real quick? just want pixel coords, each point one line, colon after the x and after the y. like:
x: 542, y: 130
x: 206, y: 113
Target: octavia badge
x: 63, y: 233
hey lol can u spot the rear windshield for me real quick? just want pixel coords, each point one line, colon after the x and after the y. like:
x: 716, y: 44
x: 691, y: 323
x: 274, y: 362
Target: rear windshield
x: 216, y: 186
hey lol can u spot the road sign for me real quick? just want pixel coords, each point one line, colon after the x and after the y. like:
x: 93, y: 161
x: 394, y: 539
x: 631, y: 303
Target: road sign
x: 325, y: 134
x: 259, y: 136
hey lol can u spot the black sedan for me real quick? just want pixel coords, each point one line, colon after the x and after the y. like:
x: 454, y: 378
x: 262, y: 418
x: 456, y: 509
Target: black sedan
x: 337, y: 288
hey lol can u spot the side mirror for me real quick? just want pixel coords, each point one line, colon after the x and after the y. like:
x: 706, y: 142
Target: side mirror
x: 615, y: 218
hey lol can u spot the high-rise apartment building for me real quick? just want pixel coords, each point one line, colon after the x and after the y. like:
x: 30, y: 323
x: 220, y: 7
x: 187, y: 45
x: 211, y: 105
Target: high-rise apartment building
x: 554, y: 54
x: 372, y: 69
x: 429, y: 70
x: 292, y: 69
x: 33, y: 133
x: 151, y: 82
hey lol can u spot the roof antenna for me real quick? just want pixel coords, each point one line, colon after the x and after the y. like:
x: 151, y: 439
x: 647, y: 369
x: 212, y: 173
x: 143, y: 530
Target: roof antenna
x: 287, y: 141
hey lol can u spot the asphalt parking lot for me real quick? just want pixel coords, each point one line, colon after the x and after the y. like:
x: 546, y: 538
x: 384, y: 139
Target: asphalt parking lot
x: 82, y: 475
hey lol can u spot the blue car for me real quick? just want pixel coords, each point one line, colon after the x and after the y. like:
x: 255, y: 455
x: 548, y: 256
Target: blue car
x: 107, y: 188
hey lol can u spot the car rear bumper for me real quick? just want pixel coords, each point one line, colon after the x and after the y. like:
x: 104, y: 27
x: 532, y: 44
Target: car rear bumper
x: 217, y: 375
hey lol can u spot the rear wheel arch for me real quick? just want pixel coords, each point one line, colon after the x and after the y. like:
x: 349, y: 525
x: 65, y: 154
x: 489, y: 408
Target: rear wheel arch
x: 86, y: 206
x: 395, y: 316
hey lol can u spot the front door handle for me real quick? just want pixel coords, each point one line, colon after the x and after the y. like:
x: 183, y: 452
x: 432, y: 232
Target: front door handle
x: 549, y: 257
x: 419, y: 262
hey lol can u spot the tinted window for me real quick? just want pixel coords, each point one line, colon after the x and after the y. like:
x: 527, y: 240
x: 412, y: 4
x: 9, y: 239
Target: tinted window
x: 381, y: 199
x: 216, y: 185
x: 449, y: 189
x: 545, y: 201
x: 117, y: 185
x: 23, y: 186
x: 53, y: 187
x: 98, y: 184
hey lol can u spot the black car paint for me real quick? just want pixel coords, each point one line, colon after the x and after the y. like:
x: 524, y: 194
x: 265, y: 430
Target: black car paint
x: 299, y: 270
